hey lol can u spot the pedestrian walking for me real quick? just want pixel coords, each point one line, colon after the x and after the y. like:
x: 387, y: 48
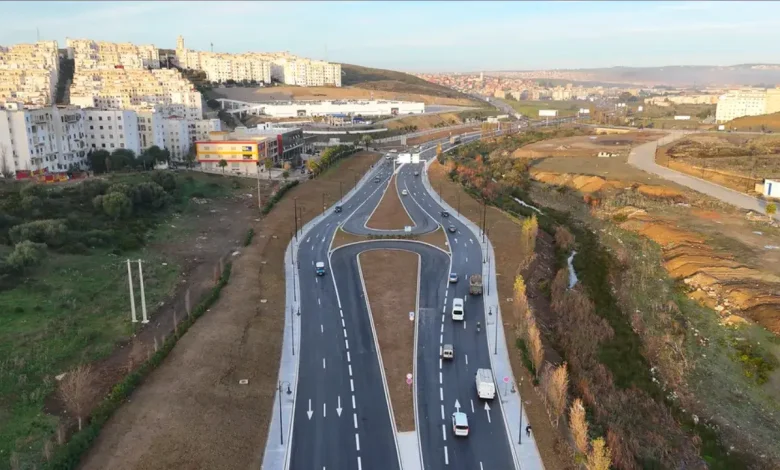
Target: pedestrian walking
x: 528, y: 431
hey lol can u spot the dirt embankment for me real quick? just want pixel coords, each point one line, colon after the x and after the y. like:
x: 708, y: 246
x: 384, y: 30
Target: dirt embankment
x: 588, y: 184
x: 192, y: 412
x: 440, y: 135
x: 504, y: 232
x: 390, y: 310
x: 390, y: 213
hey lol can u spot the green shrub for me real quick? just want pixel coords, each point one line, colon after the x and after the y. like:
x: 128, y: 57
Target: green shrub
x: 278, y: 196
x: 249, y: 236
x: 165, y: 179
x: 26, y: 254
x: 49, y: 231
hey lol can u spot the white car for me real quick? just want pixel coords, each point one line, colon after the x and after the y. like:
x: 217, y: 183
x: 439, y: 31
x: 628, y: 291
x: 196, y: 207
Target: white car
x: 404, y: 192
x: 460, y: 424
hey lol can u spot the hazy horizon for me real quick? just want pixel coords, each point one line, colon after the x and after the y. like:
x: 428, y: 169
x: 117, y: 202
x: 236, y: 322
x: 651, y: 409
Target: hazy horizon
x: 429, y: 36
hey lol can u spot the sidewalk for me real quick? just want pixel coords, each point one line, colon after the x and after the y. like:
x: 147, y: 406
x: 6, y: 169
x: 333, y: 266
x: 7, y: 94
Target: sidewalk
x: 526, y: 454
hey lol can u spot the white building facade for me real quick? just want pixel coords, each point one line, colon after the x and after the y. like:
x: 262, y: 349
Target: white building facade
x: 290, y: 109
x: 28, y: 73
x: 112, y: 129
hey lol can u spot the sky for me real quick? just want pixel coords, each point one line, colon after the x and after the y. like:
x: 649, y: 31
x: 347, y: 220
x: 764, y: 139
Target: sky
x: 421, y: 36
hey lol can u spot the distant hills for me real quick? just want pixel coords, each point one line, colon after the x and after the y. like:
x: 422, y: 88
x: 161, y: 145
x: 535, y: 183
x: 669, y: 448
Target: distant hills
x: 767, y: 75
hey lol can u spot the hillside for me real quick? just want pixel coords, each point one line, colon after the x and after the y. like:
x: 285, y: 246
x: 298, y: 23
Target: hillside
x: 766, y: 122
x: 398, y: 82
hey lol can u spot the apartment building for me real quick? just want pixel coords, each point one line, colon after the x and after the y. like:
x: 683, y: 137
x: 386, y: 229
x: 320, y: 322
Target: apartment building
x: 29, y: 72
x: 287, y: 109
x: 111, y: 130
x: 90, y: 55
x: 664, y: 101
x: 51, y: 139
x: 261, y: 67
x: 747, y: 102
x: 136, y: 89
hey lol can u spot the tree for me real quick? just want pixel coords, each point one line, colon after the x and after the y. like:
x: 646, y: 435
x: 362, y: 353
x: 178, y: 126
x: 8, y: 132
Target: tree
x: 190, y: 156
x: 771, y: 209
x: 5, y: 171
x: 75, y: 391
x: 520, y: 305
x: 528, y: 235
x: 600, y: 457
x: 556, y: 380
x: 578, y: 426
x: 213, y: 104
x: 26, y: 254
x: 222, y: 164
x: 563, y: 238
x: 116, y: 205
x: 98, y: 161
x: 534, y: 343
x: 285, y: 174
x: 122, y: 158
x: 366, y: 140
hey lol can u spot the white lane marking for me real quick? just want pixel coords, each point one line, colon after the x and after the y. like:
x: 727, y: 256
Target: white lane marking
x: 308, y: 240
x: 471, y: 240
x: 444, y: 431
x: 440, y: 350
x: 440, y: 379
x: 351, y: 385
x: 312, y: 248
x: 312, y: 262
x: 354, y: 419
x: 345, y: 332
x: 323, y: 362
x: 360, y: 466
x: 341, y: 313
x: 324, y: 413
x: 446, y: 457
x: 317, y: 280
x: 467, y: 259
x: 464, y: 324
x: 319, y: 302
x: 342, y: 323
x: 481, y: 467
x: 441, y: 338
x: 322, y: 328
x: 439, y: 363
x: 350, y: 359
x: 442, y: 317
x: 442, y: 327
x: 467, y: 359
x: 441, y: 394
x: 472, y: 406
x: 346, y: 341
x: 357, y: 441
x: 442, y: 412
x: 456, y: 240
x: 444, y: 308
x: 353, y: 404
x: 350, y: 370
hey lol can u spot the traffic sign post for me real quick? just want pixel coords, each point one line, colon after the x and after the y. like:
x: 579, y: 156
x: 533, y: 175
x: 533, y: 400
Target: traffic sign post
x: 506, y: 385
x: 409, y: 380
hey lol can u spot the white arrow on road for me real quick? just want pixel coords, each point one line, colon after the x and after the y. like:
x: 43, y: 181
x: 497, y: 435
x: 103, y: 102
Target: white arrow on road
x: 338, y: 408
x: 310, y: 412
x: 487, y: 410
x: 457, y: 406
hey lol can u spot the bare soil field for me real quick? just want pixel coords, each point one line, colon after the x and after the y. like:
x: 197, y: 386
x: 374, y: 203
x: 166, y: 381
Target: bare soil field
x: 390, y: 310
x: 769, y: 122
x: 504, y: 231
x: 426, y: 121
x: 436, y: 238
x: 585, y: 146
x: 439, y: 135
x: 192, y: 412
x: 390, y: 214
x: 336, y: 93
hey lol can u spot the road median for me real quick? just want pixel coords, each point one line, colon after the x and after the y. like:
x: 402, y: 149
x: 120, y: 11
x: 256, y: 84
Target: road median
x: 390, y: 213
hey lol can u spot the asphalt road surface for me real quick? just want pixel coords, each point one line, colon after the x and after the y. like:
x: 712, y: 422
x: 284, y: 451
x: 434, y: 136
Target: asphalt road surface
x: 341, y: 417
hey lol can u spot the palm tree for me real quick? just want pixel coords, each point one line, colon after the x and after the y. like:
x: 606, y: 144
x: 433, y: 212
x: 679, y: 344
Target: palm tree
x: 222, y: 164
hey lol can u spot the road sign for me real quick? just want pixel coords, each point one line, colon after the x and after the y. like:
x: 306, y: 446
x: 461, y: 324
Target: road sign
x: 411, y: 316
x: 408, y: 379
x: 506, y: 379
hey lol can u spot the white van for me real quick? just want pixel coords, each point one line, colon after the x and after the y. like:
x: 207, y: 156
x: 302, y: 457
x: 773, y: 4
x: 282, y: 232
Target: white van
x: 486, y: 387
x: 457, y: 309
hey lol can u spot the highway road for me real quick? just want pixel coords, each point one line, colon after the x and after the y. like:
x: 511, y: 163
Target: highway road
x: 341, y: 417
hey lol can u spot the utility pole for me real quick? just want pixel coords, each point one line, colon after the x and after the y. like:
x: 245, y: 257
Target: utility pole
x: 132, y: 296
x: 341, y: 190
x: 259, y: 200
x: 143, y: 296
x: 295, y: 210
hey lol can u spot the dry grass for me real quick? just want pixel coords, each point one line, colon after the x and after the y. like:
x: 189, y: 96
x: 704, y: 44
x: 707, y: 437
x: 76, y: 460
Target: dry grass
x: 439, y: 135
x: 191, y: 412
x: 390, y: 213
x: 504, y: 233
x: 390, y: 309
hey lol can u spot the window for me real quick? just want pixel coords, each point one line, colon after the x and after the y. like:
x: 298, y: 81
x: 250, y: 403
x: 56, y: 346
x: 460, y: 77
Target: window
x: 119, y: 118
x: 102, y: 136
x: 101, y: 128
x: 120, y: 127
x: 110, y: 136
x: 100, y: 118
x: 103, y: 145
x: 109, y: 118
x: 121, y: 136
x: 112, y: 145
x: 122, y: 145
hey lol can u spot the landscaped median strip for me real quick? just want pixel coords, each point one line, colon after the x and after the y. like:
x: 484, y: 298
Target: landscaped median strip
x: 69, y: 455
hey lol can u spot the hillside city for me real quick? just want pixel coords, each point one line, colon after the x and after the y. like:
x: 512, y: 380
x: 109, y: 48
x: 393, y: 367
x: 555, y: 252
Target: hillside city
x: 450, y: 236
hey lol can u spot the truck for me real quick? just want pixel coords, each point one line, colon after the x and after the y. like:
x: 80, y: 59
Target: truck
x: 455, y: 139
x: 486, y: 386
x: 475, y: 284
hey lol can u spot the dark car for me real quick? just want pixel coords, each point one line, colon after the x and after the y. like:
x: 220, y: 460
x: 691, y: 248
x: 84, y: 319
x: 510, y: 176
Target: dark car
x: 376, y: 179
x: 445, y: 214
x: 452, y: 229
x: 337, y: 209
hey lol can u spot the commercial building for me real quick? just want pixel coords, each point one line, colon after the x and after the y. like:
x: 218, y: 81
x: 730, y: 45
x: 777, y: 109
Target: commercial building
x: 290, y: 109
x: 747, y: 102
x: 284, y: 146
x: 28, y: 73
x: 51, y: 139
x: 242, y: 156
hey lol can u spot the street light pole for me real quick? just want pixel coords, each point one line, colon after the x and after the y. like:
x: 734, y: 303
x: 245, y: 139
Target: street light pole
x: 281, y: 426
x: 292, y: 322
x: 295, y: 210
x: 495, y: 325
x: 341, y: 190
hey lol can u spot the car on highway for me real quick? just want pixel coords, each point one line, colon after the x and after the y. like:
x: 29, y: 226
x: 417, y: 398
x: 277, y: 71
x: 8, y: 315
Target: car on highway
x: 445, y: 214
x: 452, y: 229
x: 319, y: 268
x: 447, y: 351
x: 404, y: 192
x: 458, y: 312
x: 376, y: 179
x: 453, y: 277
x: 416, y: 173
x: 337, y: 209
x: 460, y: 424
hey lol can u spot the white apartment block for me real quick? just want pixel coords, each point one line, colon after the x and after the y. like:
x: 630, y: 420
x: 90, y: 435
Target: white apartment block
x: 151, y: 129
x: 88, y: 54
x: 51, y: 139
x: 176, y: 137
x: 261, y: 67
x: 747, y: 102
x: 287, y: 109
x: 28, y: 73
x: 136, y: 88
x: 111, y: 130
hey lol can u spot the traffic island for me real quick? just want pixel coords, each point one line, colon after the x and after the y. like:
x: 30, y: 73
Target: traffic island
x: 394, y: 326
x: 390, y: 213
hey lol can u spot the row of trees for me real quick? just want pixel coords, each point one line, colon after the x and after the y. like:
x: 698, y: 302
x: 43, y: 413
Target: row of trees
x: 102, y: 161
x: 329, y: 156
